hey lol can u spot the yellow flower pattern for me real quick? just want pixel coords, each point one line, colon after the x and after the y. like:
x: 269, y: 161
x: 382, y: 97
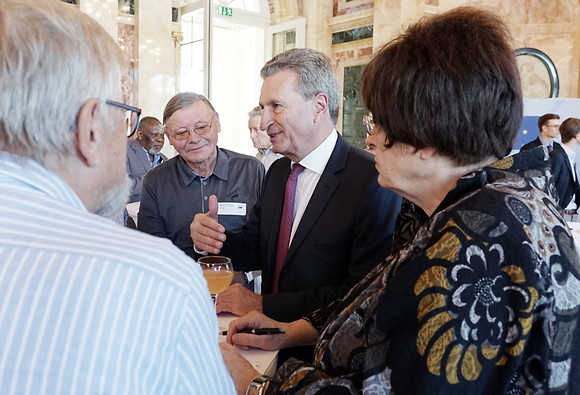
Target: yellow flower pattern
x: 472, y: 283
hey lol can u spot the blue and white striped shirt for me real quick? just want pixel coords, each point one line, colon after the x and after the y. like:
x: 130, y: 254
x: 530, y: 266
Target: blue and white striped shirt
x: 87, y: 306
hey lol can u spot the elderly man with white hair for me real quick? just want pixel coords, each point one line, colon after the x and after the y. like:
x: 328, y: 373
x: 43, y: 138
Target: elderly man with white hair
x: 83, y: 310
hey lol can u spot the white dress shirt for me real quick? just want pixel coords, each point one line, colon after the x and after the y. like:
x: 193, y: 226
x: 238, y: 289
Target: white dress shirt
x: 314, y: 164
x: 91, y: 307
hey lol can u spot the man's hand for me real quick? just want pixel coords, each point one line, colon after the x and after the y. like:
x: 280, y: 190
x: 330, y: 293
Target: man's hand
x: 238, y: 300
x: 240, y: 369
x: 206, y: 232
x: 264, y: 342
x: 297, y: 333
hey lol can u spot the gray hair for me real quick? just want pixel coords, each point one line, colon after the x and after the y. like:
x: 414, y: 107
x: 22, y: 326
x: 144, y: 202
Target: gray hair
x: 256, y: 111
x: 53, y: 58
x: 181, y: 100
x: 315, y: 71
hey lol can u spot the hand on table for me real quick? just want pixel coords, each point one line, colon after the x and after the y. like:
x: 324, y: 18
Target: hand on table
x: 240, y: 369
x: 238, y: 300
x: 205, y: 231
x: 264, y: 342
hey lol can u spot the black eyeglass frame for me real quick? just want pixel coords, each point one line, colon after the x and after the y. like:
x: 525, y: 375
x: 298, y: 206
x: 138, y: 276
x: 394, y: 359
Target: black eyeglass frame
x: 128, y: 108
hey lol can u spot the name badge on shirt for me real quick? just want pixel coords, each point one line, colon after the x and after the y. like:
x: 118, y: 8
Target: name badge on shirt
x: 231, y: 208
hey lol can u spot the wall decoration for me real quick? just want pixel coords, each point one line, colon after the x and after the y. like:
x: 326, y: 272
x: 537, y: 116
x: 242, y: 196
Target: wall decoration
x: 538, y: 73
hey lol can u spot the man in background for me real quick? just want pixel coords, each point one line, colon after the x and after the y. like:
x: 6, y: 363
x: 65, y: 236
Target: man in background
x: 563, y: 159
x: 260, y: 139
x: 549, y: 125
x: 144, y: 153
x: 176, y: 190
x: 84, y: 311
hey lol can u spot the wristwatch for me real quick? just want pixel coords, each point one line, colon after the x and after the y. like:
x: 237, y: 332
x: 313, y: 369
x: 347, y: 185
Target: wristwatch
x: 258, y: 386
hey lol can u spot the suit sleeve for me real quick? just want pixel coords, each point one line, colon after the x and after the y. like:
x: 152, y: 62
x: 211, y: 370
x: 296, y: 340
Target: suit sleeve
x: 136, y: 184
x: 136, y: 181
x: 558, y: 167
x: 149, y: 217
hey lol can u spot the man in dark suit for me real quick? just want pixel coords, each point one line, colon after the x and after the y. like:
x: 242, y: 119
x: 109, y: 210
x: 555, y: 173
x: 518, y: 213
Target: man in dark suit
x: 549, y: 125
x: 144, y: 153
x: 343, y: 220
x: 563, y: 167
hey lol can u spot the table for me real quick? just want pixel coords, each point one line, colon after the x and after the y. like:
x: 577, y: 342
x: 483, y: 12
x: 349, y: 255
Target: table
x: 263, y: 361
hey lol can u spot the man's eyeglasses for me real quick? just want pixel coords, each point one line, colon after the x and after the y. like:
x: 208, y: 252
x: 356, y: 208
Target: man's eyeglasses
x: 183, y: 133
x: 369, y: 123
x: 132, y: 115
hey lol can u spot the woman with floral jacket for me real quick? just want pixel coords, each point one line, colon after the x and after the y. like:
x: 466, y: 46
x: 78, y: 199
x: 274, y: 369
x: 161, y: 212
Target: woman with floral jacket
x: 482, y: 293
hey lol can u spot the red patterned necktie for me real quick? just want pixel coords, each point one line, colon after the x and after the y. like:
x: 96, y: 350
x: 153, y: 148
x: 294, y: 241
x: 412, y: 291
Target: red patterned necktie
x: 286, y: 223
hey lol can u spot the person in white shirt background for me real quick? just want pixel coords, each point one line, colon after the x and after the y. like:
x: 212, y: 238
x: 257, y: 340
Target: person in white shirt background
x: 563, y: 159
x: 260, y: 139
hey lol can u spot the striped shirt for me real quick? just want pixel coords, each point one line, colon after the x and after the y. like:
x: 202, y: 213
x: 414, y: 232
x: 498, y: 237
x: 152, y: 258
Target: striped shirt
x: 87, y: 306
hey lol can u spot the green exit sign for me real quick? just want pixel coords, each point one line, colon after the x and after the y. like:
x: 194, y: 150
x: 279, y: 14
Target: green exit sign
x: 225, y: 11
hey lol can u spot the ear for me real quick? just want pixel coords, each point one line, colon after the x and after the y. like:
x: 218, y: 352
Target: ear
x: 320, y: 106
x: 427, y: 153
x: 89, y: 131
x: 217, y: 125
x: 169, y: 137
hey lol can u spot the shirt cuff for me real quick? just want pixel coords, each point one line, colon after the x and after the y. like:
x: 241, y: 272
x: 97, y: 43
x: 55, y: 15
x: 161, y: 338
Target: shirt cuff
x: 198, y: 251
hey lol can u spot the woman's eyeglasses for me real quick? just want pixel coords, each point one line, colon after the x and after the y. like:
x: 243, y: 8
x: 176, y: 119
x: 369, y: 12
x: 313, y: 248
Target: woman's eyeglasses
x: 369, y: 123
x: 183, y: 133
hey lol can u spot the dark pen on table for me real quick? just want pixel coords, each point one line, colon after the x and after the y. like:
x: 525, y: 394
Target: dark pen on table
x: 258, y: 331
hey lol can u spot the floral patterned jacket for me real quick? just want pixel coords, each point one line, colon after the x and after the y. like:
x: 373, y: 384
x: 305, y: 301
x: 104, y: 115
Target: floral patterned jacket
x: 482, y: 297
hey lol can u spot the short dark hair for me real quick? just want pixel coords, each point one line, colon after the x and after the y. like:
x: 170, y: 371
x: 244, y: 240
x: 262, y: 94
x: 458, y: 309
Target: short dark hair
x: 545, y: 118
x: 569, y: 129
x: 450, y: 82
x: 145, y: 120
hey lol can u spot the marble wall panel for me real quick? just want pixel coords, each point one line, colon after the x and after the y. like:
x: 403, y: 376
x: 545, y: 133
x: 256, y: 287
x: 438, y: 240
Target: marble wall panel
x: 157, y: 61
x: 342, y: 7
x: 127, y: 43
x: 318, y: 30
x: 103, y: 11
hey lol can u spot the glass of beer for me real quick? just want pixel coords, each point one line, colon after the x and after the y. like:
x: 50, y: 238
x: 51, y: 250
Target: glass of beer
x: 218, y: 273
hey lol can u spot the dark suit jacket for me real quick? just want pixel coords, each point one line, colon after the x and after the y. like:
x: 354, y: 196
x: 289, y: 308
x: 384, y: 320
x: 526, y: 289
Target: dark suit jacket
x: 536, y: 143
x: 137, y: 167
x: 346, y: 230
x: 563, y: 177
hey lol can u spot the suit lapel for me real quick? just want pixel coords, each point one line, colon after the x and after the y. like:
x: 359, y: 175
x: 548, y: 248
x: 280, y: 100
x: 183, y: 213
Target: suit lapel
x: 140, y: 153
x: 322, y: 193
x: 566, y: 161
x: 279, y: 175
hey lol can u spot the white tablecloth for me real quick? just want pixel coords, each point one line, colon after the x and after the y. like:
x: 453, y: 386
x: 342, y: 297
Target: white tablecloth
x: 263, y: 361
